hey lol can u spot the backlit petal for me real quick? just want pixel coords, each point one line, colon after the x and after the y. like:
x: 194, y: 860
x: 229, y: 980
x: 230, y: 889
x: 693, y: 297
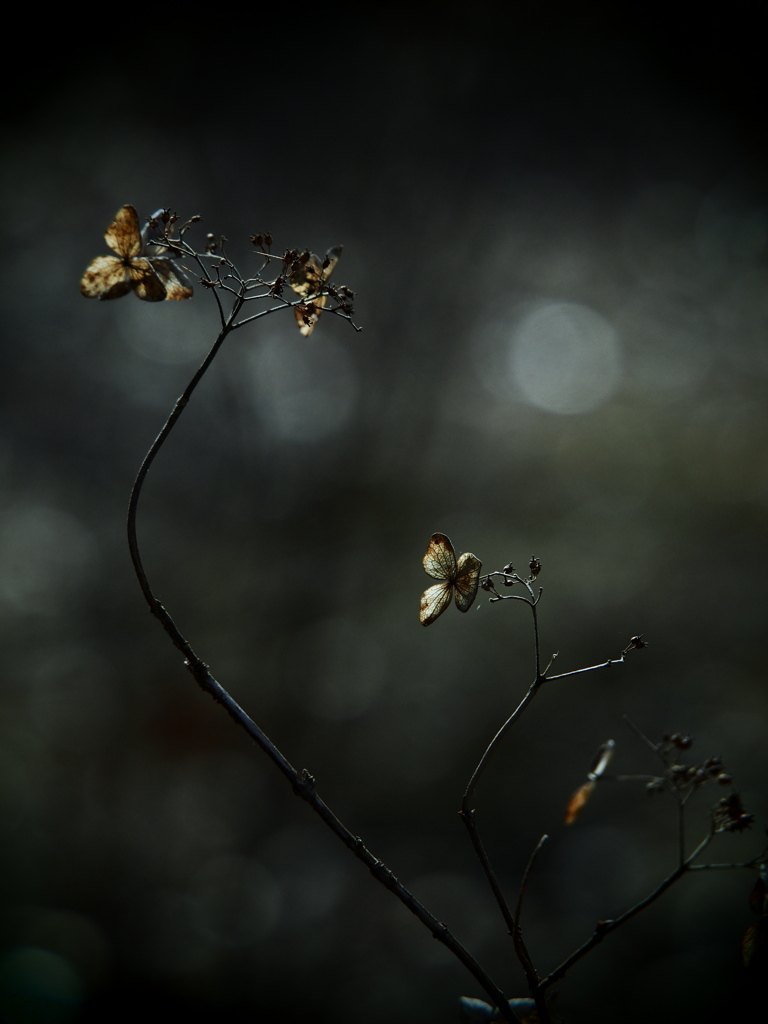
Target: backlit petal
x: 434, y: 601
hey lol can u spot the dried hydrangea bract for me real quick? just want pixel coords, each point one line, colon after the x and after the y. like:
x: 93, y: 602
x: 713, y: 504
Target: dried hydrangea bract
x: 600, y: 762
x: 152, y: 277
x: 307, y: 280
x: 458, y: 577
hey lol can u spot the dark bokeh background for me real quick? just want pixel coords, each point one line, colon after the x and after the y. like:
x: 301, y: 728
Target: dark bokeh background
x: 556, y: 227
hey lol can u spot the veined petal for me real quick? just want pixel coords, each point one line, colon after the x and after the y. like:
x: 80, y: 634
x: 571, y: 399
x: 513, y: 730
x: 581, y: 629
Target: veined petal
x: 147, y: 283
x: 434, y: 601
x: 171, y: 277
x: 467, y: 580
x: 123, y: 235
x: 107, y: 277
x: 440, y: 559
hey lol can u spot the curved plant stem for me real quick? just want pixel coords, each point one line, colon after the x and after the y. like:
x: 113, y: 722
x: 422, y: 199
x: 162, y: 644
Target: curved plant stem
x: 302, y: 782
x: 466, y: 809
x: 467, y: 814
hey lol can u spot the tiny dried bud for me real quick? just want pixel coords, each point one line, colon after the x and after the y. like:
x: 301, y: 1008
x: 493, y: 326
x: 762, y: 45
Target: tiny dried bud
x: 730, y: 816
x: 635, y: 643
x: 508, y: 568
x: 210, y: 242
x: 257, y: 240
x: 535, y: 566
x: 655, y: 786
x: 487, y: 584
x: 724, y: 779
x: 267, y: 239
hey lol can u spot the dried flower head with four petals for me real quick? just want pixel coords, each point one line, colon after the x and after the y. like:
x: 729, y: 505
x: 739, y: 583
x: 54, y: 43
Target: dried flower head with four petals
x: 458, y: 578
x: 307, y: 278
x: 139, y: 264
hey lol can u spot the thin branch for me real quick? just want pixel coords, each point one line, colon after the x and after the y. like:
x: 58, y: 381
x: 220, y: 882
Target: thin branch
x: 588, y: 668
x: 520, y: 947
x: 303, y: 783
x: 536, y: 644
x: 490, y: 874
x: 133, y: 545
x: 755, y: 862
x: 467, y: 814
x: 469, y: 793
x: 533, y: 689
x: 655, y: 747
x: 526, y: 878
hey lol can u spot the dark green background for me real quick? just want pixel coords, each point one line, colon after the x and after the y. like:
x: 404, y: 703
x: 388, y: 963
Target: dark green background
x: 476, y: 165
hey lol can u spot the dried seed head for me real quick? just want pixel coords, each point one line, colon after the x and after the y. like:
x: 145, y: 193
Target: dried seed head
x: 729, y: 814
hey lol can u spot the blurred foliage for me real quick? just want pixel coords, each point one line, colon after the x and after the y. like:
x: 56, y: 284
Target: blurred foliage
x: 557, y: 233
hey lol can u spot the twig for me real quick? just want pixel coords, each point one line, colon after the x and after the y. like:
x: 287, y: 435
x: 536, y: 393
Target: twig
x: 588, y: 668
x: 303, y: 783
x: 521, y: 949
x: 603, y: 928
x: 533, y: 689
x: 468, y: 812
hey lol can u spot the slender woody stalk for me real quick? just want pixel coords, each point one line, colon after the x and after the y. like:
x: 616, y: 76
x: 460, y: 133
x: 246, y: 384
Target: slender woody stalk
x: 303, y: 783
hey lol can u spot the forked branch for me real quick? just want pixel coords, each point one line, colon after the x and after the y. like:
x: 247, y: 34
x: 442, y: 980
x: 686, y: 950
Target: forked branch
x: 302, y: 782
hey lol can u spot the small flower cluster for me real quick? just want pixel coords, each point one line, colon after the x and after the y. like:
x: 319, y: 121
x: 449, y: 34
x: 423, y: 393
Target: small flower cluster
x: 679, y: 777
x: 508, y: 577
x: 308, y: 276
x: 728, y: 814
x: 147, y: 261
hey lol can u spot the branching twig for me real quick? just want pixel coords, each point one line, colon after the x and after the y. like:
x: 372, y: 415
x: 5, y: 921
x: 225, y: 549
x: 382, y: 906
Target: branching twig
x: 467, y: 810
x: 603, y: 928
x: 302, y: 782
x: 520, y: 947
